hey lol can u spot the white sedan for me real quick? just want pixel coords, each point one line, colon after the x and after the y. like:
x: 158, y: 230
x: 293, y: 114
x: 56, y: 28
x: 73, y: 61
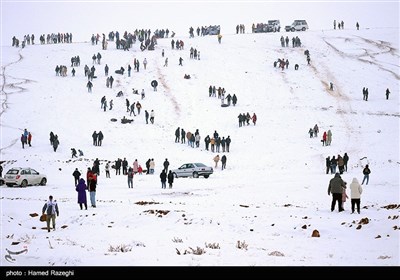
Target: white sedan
x: 193, y: 170
x: 24, y: 177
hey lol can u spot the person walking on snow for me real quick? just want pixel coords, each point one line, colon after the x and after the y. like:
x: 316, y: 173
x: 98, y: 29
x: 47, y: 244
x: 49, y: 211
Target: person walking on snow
x: 336, y: 185
x: 366, y: 172
x: 51, y: 209
x: 163, y: 177
x: 355, y: 195
x: 130, y: 178
x: 81, y: 189
x: 223, y: 161
x: 170, y: 179
x: 216, y: 160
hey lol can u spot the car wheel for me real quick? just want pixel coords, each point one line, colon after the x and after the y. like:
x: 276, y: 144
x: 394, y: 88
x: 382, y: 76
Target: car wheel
x: 175, y: 175
x: 303, y: 29
x: 24, y: 183
x: 43, y: 182
x: 195, y: 175
x: 292, y: 29
x: 206, y: 176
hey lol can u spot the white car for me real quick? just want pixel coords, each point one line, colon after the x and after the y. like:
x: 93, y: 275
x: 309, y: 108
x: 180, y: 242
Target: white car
x: 24, y: 177
x: 193, y: 170
x: 297, y: 25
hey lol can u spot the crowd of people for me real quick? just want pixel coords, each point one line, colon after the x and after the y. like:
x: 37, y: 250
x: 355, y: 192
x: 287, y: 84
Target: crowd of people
x: 337, y: 186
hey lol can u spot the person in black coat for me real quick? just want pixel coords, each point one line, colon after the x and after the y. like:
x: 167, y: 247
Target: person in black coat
x: 77, y: 176
x: 74, y: 153
x: 166, y: 164
x: 111, y: 81
x: 170, y: 179
x: 55, y: 143
x: 146, y: 115
x: 100, y: 137
x: 228, y: 143
x: 94, y: 136
x: 387, y: 94
x: 234, y: 99
x: 163, y: 177
x: 207, y: 141
x: 148, y: 166
x: 124, y: 166
x: 118, y: 164
x: 183, y: 136
x: 345, y: 160
x: 366, y: 172
x: 328, y: 164
x: 177, y: 134
x: 223, y: 161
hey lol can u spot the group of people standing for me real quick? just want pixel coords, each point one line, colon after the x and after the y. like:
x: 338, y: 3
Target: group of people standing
x: 97, y: 138
x: 26, y: 138
x: 212, y: 92
x: 245, y: 119
x: 340, y: 162
x: 337, y: 187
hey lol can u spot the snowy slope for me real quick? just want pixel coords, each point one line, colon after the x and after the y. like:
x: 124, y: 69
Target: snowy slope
x: 275, y: 181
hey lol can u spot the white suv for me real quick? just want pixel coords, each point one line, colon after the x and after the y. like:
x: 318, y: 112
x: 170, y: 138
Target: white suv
x: 297, y: 25
x: 24, y: 177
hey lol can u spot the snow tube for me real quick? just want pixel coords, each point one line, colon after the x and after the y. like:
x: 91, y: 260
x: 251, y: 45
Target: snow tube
x: 154, y: 83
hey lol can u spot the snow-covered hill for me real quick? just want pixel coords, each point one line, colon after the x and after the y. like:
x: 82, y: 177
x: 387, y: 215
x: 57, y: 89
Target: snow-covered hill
x: 273, y: 193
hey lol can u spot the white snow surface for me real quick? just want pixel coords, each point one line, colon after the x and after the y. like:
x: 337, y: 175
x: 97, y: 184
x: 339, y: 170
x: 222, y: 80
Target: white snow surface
x: 271, y: 196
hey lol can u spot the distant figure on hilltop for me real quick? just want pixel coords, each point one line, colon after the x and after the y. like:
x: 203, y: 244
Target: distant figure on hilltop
x: 387, y: 93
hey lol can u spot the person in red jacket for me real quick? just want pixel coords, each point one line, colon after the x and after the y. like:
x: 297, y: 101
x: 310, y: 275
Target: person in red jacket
x: 254, y: 118
x: 29, y: 139
x: 324, y: 139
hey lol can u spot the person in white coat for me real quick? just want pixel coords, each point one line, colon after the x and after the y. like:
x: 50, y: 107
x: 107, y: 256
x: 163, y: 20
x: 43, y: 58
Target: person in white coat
x: 356, y: 191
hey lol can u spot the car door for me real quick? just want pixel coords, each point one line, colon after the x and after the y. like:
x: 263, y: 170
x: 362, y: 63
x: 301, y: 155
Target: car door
x: 26, y: 175
x: 34, y: 177
x: 181, y: 171
x: 190, y: 169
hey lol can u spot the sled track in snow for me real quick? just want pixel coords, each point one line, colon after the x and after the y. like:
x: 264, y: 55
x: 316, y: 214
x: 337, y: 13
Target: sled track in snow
x: 384, y: 46
x: 168, y: 91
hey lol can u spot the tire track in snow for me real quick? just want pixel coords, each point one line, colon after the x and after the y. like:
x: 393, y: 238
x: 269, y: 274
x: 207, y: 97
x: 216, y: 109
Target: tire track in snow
x: 4, y: 93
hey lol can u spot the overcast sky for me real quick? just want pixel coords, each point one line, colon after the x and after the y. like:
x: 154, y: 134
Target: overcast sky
x: 82, y: 18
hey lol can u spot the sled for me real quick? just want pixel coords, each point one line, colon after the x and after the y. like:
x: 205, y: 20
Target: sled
x: 224, y: 105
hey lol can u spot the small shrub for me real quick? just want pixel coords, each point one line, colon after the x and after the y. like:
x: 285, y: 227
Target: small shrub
x: 241, y: 245
x: 120, y: 248
x: 213, y: 245
x: 177, y: 240
x: 197, y: 251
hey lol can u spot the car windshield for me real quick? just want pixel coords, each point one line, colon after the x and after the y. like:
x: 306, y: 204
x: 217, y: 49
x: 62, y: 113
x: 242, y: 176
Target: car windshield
x: 200, y: 165
x: 13, y: 171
